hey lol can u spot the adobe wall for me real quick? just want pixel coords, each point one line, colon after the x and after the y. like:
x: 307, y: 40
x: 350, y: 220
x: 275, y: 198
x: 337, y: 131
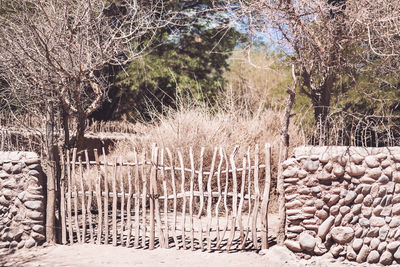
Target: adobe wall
x: 21, y: 200
x: 344, y: 201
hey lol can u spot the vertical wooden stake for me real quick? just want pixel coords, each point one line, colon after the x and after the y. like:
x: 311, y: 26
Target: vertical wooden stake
x: 78, y: 233
x: 144, y: 199
x: 137, y: 199
x: 82, y: 201
x: 184, y: 199
x: 171, y: 161
x: 257, y: 199
x: 242, y: 185
x: 234, y: 199
x: 90, y: 197
x: 265, y: 201
x: 114, y: 205
x: 128, y: 209
x: 122, y: 229
x: 221, y: 161
x: 106, y: 230
x: 69, y: 204
x: 62, y: 200
x: 191, y: 198
x: 98, y: 198
x: 200, y: 182
x: 209, y: 200
x: 164, y: 181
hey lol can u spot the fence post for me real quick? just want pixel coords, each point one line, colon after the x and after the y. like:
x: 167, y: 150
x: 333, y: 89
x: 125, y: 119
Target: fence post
x: 265, y: 201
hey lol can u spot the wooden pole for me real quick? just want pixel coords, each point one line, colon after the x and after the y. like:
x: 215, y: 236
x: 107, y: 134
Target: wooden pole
x: 191, y: 198
x: 78, y: 234
x: 265, y: 201
x: 184, y: 199
x: 144, y: 199
x: 209, y: 200
x: 242, y: 186
x: 122, y: 229
x: 69, y: 202
x: 234, y: 199
x: 137, y: 199
x: 90, y: 197
x: 83, y: 205
x: 62, y: 200
x: 257, y: 199
x: 249, y: 200
x: 106, y: 195
x: 164, y: 181
x: 200, y: 182
x: 128, y: 209
x: 114, y: 205
x: 171, y: 161
x: 98, y: 198
x: 221, y: 161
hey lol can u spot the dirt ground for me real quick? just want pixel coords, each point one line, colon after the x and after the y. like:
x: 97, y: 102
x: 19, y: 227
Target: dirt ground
x: 107, y: 255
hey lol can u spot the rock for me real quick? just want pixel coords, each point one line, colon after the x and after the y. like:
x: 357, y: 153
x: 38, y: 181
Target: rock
x: 376, y: 201
x: 359, y: 232
x: 356, y: 209
x: 373, y: 257
x: 386, y: 258
x: 310, y: 210
x: 324, y: 158
x: 392, y: 246
x: 336, y: 250
x: 383, y: 179
x: 374, y: 173
x: 396, y: 209
x: 366, y: 211
x: 366, y: 189
x: 342, y: 235
x: 21, y: 244
x: 334, y: 210
x: 367, y: 180
x: 322, y: 214
x: 396, y: 176
x: 395, y: 222
x: 302, y: 173
x: 292, y: 245
x: 364, y: 222
x: 355, y: 170
x: 351, y: 254
x: 34, y: 205
x: 37, y: 236
x: 319, y: 204
x: 383, y: 232
x: 307, y: 242
x: 35, y: 215
x: 30, y: 243
x: 396, y: 255
x: 348, y: 218
x: 374, y: 243
x: 354, y: 220
x: 4, y: 201
x: 295, y: 229
x: 338, y: 171
x: 363, y: 254
x: 289, y: 162
x: 325, y: 227
x: 387, y: 211
x: 371, y: 161
x: 338, y: 220
x: 325, y: 176
x: 368, y: 200
x: 373, y: 232
x: 377, y: 221
x: 311, y: 165
x: 359, y: 199
x: 377, y: 210
x: 293, y: 204
x: 351, y: 195
x: 344, y: 210
x: 382, y: 246
x: 357, y: 159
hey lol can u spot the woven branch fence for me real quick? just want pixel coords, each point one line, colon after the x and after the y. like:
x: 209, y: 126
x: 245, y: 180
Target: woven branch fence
x: 156, y: 200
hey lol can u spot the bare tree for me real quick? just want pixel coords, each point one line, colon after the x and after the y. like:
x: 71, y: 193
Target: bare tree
x: 54, y: 57
x: 322, y: 39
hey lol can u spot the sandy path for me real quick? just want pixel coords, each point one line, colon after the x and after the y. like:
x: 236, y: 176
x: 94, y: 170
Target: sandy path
x: 107, y: 255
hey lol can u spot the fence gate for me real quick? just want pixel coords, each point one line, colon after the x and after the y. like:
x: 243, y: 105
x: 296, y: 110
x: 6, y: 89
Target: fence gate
x: 161, y: 200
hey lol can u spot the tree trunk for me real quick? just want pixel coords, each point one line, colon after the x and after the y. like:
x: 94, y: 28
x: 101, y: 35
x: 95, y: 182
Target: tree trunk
x: 81, y: 127
x: 283, y: 155
x: 51, y: 196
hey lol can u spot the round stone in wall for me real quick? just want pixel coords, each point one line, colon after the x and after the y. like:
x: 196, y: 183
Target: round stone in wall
x: 342, y: 235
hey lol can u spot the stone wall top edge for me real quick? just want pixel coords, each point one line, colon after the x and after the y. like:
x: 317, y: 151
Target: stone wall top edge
x: 343, y: 150
x: 17, y: 155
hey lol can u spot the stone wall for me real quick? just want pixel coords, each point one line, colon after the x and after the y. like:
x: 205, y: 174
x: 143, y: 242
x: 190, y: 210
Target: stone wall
x: 344, y: 201
x: 21, y: 200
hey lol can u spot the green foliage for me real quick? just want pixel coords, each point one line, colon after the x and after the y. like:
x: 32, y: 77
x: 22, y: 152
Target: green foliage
x: 186, y: 61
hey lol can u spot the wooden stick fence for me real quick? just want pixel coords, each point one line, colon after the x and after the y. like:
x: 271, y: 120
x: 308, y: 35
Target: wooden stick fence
x: 154, y: 202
